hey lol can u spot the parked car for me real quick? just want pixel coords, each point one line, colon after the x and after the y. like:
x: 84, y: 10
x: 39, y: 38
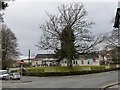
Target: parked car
x: 15, y: 76
x: 4, y: 75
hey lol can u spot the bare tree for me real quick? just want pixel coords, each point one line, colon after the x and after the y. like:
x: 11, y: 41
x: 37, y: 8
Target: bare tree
x: 111, y: 39
x: 3, y: 5
x: 67, y: 33
x: 112, y: 43
x: 10, y: 46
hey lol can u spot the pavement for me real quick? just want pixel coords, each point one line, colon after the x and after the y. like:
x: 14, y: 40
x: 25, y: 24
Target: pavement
x: 113, y: 85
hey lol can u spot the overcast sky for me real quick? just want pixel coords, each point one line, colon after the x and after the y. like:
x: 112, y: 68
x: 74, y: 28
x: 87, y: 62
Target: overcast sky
x: 24, y: 19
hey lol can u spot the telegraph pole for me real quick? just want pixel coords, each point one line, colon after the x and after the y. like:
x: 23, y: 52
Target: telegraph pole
x: 29, y: 57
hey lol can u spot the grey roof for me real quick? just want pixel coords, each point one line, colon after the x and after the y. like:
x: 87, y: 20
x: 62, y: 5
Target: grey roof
x: 44, y: 56
x: 87, y: 55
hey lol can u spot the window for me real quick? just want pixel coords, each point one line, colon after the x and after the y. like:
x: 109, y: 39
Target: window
x: 65, y: 61
x: 36, y: 63
x: 4, y: 72
x: 94, y: 60
x: 0, y: 73
x: 76, y: 62
x: 88, y: 62
x: 82, y: 62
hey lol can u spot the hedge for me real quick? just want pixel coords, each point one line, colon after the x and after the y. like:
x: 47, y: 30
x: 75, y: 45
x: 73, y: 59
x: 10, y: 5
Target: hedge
x: 65, y: 71
x: 68, y: 73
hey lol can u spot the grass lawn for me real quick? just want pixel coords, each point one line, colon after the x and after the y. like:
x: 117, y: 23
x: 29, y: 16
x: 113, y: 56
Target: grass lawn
x: 64, y: 68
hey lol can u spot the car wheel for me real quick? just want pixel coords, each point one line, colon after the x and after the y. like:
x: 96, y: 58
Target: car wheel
x: 18, y: 79
x: 10, y: 78
x: 5, y: 78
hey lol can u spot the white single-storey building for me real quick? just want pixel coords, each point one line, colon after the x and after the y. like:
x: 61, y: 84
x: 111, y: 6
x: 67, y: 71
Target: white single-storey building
x: 49, y: 60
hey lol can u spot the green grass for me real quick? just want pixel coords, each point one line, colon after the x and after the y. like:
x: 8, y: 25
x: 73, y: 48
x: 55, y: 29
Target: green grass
x: 64, y: 69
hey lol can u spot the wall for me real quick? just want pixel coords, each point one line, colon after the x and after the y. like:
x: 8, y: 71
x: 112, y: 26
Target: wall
x: 80, y: 62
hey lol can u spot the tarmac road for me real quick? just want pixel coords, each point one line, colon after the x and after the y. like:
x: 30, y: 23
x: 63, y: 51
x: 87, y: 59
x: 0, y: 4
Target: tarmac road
x: 78, y: 81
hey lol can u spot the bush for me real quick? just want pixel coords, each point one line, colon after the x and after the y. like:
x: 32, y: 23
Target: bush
x: 98, y: 68
x: 113, y: 66
x: 14, y: 71
x: 65, y: 71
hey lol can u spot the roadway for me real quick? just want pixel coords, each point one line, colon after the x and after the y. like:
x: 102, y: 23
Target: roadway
x: 78, y: 81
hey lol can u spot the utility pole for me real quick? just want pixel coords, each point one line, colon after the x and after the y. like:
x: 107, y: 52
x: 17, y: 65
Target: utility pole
x: 29, y: 57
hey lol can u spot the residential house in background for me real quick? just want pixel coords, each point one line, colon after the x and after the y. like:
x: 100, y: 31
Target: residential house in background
x: 44, y: 60
x: 98, y: 58
x: 49, y: 60
x: 105, y: 57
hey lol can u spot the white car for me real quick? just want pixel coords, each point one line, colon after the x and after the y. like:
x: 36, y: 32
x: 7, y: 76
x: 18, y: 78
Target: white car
x: 15, y: 76
x: 4, y: 75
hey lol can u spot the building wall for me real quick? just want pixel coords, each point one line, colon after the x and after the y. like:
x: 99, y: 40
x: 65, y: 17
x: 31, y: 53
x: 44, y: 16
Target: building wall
x: 43, y: 62
x: 106, y: 58
x: 82, y: 62
x: 49, y: 62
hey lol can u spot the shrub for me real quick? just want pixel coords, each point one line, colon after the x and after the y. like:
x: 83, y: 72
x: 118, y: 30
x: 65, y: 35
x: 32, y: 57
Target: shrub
x: 64, y: 71
x: 14, y: 71
x: 98, y: 68
x: 112, y: 66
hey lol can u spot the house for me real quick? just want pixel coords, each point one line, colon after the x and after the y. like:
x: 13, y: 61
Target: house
x: 105, y: 57
x: 49, y: 60
x: 44, y: 60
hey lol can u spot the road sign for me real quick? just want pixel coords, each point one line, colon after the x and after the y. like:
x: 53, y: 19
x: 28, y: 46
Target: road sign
x: 22, y: 61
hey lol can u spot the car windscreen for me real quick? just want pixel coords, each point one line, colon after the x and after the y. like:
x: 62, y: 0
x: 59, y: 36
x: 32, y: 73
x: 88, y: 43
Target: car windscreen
x: 16, y: 74
x: 4, y: 72
x: 0, y: 73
